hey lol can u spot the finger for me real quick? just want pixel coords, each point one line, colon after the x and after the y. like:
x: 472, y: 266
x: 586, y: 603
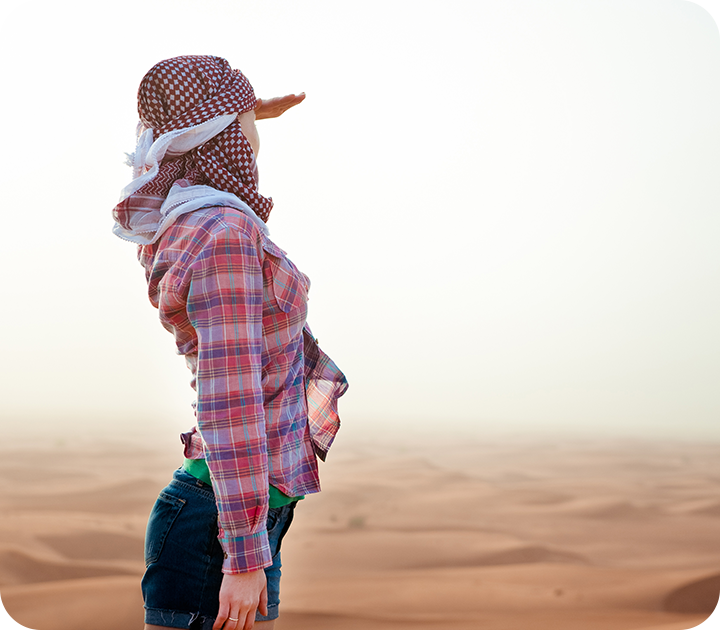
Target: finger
x: 221, y: 617
x: 285, y: 101
x: 233, y: 621
x: 263, y: 601
x: 249, y: 620
x: 291, y: 100
x: 274, y: 107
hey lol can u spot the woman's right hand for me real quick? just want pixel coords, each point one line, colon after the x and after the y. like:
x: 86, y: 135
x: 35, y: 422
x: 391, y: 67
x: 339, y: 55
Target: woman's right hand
x: 241, y: 594
x: 274, y: 107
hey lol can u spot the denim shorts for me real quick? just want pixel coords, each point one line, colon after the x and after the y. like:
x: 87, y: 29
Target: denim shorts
x: 183, y: 557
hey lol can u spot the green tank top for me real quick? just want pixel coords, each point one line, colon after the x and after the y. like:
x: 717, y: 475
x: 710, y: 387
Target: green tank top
x: 198, y: 468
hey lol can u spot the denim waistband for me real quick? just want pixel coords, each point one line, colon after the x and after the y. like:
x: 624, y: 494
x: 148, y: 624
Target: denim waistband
x: 183, y: 478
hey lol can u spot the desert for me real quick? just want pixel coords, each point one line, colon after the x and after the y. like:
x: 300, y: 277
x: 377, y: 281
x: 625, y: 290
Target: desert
x: 472, y: 533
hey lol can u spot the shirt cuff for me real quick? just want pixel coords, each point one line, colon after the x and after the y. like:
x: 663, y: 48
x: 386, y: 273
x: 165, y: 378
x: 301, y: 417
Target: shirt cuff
x: 246, y: 553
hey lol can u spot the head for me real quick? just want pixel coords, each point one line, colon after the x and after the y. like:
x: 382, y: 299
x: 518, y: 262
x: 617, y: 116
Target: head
x: 182, y: 93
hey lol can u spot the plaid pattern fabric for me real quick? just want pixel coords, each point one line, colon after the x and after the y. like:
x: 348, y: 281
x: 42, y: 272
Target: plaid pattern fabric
x: 237, y: 307
x: 182, y: 92
x: 324, y: 384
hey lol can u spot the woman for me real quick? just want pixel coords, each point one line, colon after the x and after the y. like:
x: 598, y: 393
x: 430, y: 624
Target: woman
x: 266, y: 403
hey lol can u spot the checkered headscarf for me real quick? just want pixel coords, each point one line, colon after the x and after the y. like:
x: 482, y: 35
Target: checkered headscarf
x: 184, y: 92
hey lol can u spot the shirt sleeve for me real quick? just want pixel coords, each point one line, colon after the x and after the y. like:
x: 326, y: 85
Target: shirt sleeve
x: 224, y: 306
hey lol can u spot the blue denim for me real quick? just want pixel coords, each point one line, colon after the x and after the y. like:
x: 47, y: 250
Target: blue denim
x: 183, y: 557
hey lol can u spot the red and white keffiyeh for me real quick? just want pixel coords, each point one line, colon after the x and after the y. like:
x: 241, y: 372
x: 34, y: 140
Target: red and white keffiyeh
x: 190, y: 140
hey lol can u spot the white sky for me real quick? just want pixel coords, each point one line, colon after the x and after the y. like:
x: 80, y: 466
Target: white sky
x: 508, y: 209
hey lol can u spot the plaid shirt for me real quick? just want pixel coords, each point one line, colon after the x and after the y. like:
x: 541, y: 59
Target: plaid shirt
x: 237, y: 307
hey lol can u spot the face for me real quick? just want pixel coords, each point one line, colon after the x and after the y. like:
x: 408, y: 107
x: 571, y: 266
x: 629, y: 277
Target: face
x: 247, y: 124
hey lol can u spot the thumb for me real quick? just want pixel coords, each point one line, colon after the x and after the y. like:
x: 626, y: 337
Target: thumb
x: 263, y: 601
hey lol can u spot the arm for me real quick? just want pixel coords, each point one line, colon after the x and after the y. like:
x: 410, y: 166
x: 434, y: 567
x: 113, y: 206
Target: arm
x: 224, y: 306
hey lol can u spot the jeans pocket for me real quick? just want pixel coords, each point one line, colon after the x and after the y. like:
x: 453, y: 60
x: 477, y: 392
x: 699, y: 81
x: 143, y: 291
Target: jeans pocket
x: 162, y: 517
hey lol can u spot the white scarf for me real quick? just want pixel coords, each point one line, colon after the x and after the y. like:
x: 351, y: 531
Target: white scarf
x: 147, y: 227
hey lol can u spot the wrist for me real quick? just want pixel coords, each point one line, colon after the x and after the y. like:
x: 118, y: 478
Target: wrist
x: 246, y: 554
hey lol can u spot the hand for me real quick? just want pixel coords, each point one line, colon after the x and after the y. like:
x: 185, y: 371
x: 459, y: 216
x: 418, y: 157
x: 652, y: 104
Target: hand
x: 274, y: 107
x: 241, y: 594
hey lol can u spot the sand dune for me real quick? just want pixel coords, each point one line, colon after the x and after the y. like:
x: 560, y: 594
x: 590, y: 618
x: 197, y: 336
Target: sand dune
x: 113, y: 499
x: 387, y: 549
x: 697, y: 624
x: 110, y: 603
x: 21, y: 568
x: 502, y: 536
x: 511, y: 621
x: 529, y: 554
x: 612, y: 509
x: 93, y: 545
x: 698, y: 597
x: 704, y: 507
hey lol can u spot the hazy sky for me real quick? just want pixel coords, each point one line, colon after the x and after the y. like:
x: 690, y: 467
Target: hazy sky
x: 508, y: 209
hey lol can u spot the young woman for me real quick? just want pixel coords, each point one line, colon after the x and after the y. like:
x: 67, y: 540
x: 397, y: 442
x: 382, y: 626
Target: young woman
x: 266, y: 404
